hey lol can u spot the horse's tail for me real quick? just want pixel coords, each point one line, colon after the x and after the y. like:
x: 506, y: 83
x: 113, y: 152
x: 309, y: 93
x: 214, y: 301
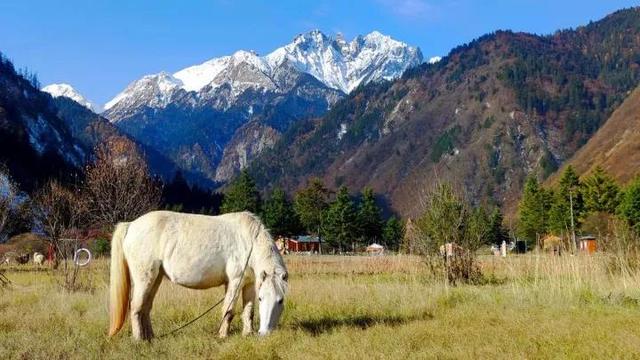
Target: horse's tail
x: 120, y: 281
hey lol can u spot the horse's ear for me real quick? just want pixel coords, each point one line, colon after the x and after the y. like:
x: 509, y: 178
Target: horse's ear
x: 263, y: 275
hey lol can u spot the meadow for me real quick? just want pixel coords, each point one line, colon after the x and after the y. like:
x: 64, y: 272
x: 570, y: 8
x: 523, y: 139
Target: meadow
x: 388, y: 307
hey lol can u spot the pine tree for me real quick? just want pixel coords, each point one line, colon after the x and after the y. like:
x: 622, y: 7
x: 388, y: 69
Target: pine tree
x: 341, y: 225
x: 393, y: 233
x: 559, y: 217
x: 533, y: 210
x: 566, y: 199
x: 310, y: 205
x: 278, y: 214
x: 497, y: 232
x: 570, y: 189
x: 369, y: 218
x: 242, y: 195
x: 601, y: 193
x: 629, y: 208
x: 478, y: 228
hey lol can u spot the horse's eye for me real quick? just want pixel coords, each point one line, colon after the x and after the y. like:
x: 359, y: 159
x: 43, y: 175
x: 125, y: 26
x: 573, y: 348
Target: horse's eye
x: 280, y: 302
x: 259, y: 299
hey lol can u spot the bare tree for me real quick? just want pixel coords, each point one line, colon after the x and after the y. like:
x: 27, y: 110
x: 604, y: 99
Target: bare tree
x: 118, y: 184
x: 58, y: 211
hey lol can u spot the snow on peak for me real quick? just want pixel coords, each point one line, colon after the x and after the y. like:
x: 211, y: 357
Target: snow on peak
x: 332, y: 60
x: 154, y: 90
x: 345, y: 65
x: 66, y: 90
x: 196, y: 77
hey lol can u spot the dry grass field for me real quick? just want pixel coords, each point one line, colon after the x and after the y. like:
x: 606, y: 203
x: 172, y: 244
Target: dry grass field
x: 389, y: 307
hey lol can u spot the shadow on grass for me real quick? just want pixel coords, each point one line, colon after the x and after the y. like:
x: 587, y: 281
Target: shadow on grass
x: 325, y: 324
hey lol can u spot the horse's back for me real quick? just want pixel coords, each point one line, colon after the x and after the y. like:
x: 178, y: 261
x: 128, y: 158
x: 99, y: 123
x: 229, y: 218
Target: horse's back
x: 194, y: 250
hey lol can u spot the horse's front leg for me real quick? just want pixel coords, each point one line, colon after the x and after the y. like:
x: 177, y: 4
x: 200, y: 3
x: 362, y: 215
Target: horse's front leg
x: 227, y: 307
x: 248, y: 299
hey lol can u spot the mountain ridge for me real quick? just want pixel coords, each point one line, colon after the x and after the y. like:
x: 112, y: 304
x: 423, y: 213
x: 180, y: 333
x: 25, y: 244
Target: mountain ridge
x: 398, y: 56
x: 485, y: 116
x: 68, y: 91
x: 193, y: 114
x: 615, y: 146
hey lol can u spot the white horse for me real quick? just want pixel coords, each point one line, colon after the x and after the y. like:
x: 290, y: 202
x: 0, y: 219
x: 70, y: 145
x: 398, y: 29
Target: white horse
x: 38, y: 258
x: 198, y: 252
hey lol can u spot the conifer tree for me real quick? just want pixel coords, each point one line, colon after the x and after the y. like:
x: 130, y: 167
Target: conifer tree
x: 392, y: 233
x: 600, y: 192
x: 369, y: 217
x: 278, y: 214
x: 310, y: 205
x: 478, y: 228
x: 242, y: 195
x: 497, y: 232
x: 566, y: 202
x: 533, y: 210
x: 341, y: 228
x: 629, y: 208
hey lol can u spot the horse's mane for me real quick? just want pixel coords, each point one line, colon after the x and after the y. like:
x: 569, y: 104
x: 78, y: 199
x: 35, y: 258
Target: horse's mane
x: 264, y: 248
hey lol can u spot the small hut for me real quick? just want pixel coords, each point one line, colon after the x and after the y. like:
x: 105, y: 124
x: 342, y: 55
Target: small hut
x: 375, y: 249
x: 588, y: 244
x: 304, y: 243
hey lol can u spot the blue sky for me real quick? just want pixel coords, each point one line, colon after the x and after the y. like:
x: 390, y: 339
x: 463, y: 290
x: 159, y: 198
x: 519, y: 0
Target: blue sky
x: 99, y: 46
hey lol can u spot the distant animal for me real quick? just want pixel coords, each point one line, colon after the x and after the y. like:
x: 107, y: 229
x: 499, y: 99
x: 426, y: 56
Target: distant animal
x: 22, y: 259
x: 198, y: 252
x: 38, y: 258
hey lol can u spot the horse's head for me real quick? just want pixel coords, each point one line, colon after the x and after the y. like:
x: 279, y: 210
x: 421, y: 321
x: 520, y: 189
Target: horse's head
x: 271, y: 291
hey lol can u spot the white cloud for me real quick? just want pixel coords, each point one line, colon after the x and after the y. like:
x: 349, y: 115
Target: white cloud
x: 434, y: 59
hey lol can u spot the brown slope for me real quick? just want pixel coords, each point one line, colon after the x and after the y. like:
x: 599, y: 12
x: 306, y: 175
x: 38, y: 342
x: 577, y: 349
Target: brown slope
x: 490, y: 113
x: 616, y: 145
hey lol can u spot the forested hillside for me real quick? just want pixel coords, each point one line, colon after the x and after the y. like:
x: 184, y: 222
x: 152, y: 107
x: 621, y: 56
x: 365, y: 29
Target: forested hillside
x: 616, y: 146
x: 491, y: 112
x: 35, y: 144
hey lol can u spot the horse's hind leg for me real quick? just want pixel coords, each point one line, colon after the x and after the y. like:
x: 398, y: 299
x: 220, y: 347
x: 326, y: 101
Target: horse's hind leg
x: 248, y: 300
x: 145, y: 286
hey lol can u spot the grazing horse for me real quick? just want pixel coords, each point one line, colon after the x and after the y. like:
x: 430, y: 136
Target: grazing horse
x: 198, y: 252
x: 38, y: 258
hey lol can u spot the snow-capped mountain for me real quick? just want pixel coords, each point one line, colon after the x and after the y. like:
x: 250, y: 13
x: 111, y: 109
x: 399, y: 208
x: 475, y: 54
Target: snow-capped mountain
x: 334, y: 62
x: 193, y: 114
x: 345, y: 65
x: 66, y: 90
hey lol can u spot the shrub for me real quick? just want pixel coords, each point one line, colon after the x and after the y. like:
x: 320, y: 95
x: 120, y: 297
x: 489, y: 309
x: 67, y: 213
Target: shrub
x: 101, y: 247
x: 450, y: 229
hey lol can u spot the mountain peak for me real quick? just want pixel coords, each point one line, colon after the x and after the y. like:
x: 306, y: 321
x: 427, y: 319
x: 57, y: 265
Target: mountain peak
x: 377, y: 35
x: 344, y: 65
x: 153, y: 89
x: 68, y: 91
x: 315, y: 36
x: 336, y: 63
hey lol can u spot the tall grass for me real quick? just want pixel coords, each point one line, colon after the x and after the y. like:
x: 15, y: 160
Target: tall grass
x: 532, y: 306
